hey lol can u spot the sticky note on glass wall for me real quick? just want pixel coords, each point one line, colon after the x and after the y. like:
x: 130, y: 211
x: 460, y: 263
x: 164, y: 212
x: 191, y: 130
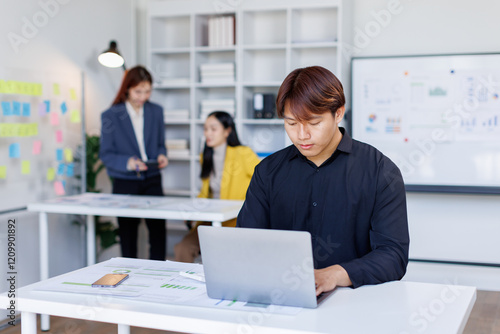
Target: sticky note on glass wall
x: 59, y: 154
x: 54, y: 118
x: 68, y: 154
x: 25, y: 167
x: 56, y: 89
x: 75, y: 116
x: 16, y: 108
x: 47, y: 105
x: 72, y: 93
x: 51, y: 174
x: 3, y: 172
x: 64, y: 108
x: 14, y: 150
x: 37, y: 147
x: 60, y: 169
x: 42, y: 109
x: 70, y: 170
x: 59, y: 188
x: 6, y: 108
x: 26, y: 109
x: 59, y: 136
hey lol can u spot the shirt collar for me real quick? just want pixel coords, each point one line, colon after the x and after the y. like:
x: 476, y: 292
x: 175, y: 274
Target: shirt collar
x: 131, y: 111
x: 345, y: 146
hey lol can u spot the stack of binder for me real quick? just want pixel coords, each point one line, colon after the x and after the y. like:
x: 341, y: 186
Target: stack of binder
x: 217, y: 73
x: 221, y: 31
x: 208, y: 106
x: 177, y: 148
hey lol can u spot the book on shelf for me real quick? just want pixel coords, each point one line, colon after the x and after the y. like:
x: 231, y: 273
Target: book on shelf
x: 209, y: 106
x: 177, y: 144
x: 175, y: 114
x: 172, y: 82
x: 178, y: 153
x: 221, y: 31
x: 177, y: 148
x: 216, y: 73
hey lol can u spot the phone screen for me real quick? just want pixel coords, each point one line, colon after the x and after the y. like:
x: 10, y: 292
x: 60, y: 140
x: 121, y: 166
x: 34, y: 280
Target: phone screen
x: 110, y: 281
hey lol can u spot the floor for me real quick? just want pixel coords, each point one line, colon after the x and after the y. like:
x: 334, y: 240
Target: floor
x: 484, y: 319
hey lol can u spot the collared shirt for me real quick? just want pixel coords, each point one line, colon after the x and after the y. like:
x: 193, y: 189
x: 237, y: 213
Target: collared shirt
x: 354, y: 206
x: 137, y: 119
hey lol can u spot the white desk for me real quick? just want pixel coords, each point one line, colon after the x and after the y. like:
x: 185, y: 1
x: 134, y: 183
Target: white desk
x: 91, y: 204
x: 395, y: 307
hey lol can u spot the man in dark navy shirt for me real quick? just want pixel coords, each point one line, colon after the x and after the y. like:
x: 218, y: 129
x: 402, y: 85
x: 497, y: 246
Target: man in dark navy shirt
x: 347, y: 194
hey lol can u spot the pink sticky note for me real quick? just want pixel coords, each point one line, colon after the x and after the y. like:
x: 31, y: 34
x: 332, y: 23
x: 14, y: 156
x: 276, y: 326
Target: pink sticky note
x: 54, y: 118
x: 59, y: 136
x: 37, y: 147
x: 58, y: 188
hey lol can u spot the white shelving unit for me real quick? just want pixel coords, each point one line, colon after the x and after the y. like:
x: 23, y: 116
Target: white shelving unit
x: 272, y: 37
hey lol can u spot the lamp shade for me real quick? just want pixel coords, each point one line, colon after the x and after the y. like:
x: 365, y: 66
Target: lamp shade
x: 111, y: 57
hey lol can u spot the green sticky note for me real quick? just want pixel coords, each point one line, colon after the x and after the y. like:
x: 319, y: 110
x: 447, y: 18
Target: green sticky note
x: 75, y: 116
x: 51, y: 174
x: 25, y: 167
x: 57, y: 90
x: 3, y: 172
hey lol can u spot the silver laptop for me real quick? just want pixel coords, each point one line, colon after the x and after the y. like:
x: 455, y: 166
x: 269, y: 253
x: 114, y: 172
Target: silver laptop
x: 258, y: 265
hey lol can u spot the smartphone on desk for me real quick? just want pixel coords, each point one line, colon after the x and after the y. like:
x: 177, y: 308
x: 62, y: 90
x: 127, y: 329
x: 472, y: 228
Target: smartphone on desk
x: 110, y: 281
x: 152, y: 164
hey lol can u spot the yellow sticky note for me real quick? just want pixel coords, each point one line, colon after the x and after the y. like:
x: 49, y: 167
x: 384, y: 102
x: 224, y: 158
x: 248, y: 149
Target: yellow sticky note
x: 57, y: 90
x: 25, y: 167
x: 75, y: 116
x: 3, y: 172
x: 68, y: 154
x: 51, y: 174
x: 72, y: 93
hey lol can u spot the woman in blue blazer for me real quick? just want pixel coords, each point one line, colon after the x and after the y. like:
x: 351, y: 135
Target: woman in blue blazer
x: 132, y: 133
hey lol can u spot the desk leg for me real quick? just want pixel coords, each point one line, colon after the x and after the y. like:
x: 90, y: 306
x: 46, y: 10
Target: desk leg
x: 216, y: 224
x: 123, y: 329
x: 90, y: 240
x: 28, y: 323
x: 44, y: 261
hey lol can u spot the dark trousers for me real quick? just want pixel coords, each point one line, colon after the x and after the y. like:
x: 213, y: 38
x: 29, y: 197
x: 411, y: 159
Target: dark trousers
x: 128, y: 227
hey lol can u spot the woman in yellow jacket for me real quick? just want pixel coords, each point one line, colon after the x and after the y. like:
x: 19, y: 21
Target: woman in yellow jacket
x: 226, y: 170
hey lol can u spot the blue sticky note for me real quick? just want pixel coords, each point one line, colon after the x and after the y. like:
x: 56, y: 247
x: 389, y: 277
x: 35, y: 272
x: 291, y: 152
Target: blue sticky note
x: 47, y: 105
x: 14, y: 150
x: 59, y: 154
x: 27, y: 109
x: 7, y: 111
x: 16, y: 108
x: 63, y: 184
x: 64, y: 107
x: 70, y: 169
x: 60, y: 169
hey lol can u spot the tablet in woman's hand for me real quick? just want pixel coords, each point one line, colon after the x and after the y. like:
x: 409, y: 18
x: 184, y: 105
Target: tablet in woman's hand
x: 152, y: 164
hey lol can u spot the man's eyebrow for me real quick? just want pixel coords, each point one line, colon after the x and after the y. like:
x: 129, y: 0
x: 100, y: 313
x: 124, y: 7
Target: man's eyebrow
x: 311, y: 118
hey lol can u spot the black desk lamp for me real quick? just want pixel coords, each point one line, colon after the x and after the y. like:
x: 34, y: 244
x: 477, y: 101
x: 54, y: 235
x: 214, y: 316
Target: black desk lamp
x: 111, y: 57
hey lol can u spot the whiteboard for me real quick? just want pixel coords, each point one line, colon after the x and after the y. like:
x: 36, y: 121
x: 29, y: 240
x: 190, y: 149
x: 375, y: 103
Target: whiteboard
x: 437, y: 117
x: 40, y: 136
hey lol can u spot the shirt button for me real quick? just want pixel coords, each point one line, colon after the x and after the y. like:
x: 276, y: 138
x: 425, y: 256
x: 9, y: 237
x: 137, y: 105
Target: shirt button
x: 317, y: 170
x: 315, y: 204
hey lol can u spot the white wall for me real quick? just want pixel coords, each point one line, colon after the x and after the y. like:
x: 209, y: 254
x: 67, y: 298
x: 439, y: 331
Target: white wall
x: 69, y: 36
x: 442, y: 226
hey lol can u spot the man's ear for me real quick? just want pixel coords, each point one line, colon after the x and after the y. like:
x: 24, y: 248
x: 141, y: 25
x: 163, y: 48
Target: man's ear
x: 339, y: 114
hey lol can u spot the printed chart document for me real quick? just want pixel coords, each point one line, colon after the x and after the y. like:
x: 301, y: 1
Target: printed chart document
x: 154, y: 281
